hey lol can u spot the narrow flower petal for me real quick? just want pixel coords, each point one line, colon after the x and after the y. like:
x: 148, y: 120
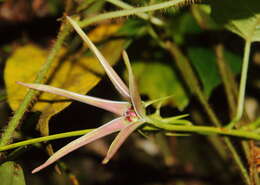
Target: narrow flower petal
x: 115, y: 79
x: 109, y: 128
x: 120, y: 138
x: 117, y: 107
x: 134, y: 94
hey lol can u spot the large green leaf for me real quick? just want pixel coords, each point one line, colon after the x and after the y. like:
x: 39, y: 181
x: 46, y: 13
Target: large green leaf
x: 11, y: 174
x: 158, y: 80
x: 204, y: 61
x: 240, y: 16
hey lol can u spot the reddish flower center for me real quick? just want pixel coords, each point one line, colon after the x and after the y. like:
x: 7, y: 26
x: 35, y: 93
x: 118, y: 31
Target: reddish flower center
x: 130, y: 115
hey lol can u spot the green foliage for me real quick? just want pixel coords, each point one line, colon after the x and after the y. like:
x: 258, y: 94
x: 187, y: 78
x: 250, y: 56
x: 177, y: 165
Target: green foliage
x: 158, y: 80
x: 11, y: 174
x: 204, y: 61
x: 183, y: 25
x: 133, y: 28
x: 241, y: 17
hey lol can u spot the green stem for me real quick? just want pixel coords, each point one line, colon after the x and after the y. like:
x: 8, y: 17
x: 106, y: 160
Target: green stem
x: 192, y: 81
x: 227, y: 79
x: 12, y: 125
x: 121, y: 4
x: 209, y: 130
x: 242, y: 87
x: 44, y: 139
x: 253, y: 126
x: 132, y: 11
x: 167, y: 127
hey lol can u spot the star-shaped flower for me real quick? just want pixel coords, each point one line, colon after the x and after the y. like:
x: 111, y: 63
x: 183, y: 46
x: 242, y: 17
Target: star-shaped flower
x: 131, y: 112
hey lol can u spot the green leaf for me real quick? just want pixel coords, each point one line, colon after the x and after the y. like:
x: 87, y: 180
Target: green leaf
x: 204, y: 61
x: 133, y: 28
x: 240, y: 16
x: 159, y: 80
x: 11, y: 174
x: 234, y: 61
x: 181, y: 25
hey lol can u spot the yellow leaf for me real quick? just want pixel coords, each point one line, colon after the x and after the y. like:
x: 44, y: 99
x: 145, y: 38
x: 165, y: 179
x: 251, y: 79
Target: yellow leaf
x: 103, y: 31
x: 76, y: 76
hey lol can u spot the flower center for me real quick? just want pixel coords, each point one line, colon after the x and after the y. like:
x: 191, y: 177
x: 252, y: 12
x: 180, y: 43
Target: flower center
x: 130, y: 115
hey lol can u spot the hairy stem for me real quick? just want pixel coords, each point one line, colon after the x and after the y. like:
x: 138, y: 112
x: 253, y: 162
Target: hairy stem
x: 210, y: 131
x: 132, y: 11
x: 205, y: 130
x: 13, y: 123
x: 44, y: 139
x: 156, y: 21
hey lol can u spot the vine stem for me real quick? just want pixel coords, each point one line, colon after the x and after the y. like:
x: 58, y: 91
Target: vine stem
x: 211, y: 130
x: 131, y: 11
x: 13, y: 123
x: 44, y: 139
x: 121, y: 4
x: 205, y: 130
x: 242, y: 87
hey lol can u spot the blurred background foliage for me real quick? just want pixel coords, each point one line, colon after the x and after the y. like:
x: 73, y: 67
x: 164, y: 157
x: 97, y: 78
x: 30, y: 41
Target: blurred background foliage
x: 193, y: 55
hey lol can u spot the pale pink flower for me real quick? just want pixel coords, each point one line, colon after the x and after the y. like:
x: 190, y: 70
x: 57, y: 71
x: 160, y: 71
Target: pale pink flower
x: 131, y: 113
